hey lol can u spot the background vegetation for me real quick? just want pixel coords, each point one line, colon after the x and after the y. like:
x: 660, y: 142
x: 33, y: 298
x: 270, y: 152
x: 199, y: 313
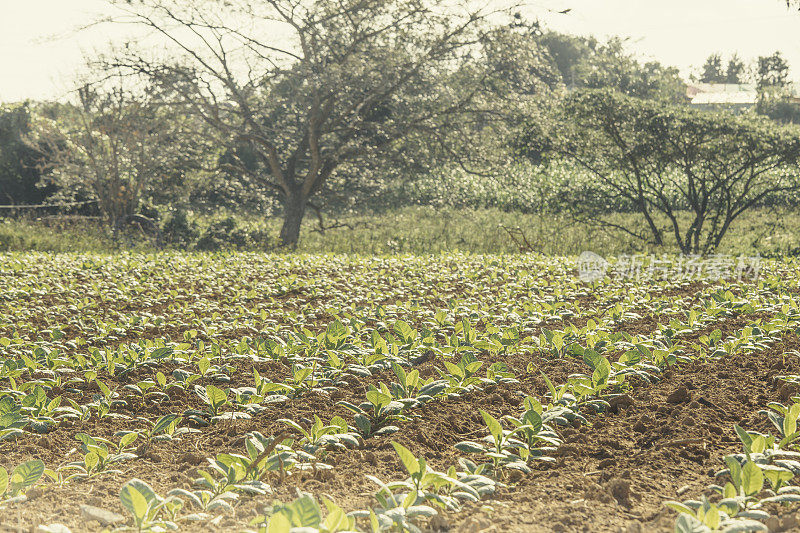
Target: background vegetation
x: 489, y: 141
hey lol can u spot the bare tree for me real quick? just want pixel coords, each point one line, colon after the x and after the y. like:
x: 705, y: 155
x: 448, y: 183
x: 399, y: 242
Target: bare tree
x: 312, y: 85
x: 698, y: 171
x: 113, y: 145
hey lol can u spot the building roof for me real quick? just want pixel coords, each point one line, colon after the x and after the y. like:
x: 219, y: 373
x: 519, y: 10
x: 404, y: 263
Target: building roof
x: 725, y: 99
x: 722, y: 93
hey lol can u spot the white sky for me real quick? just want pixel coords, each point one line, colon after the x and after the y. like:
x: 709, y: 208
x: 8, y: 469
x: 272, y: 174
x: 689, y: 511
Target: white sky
x: 40, y: 53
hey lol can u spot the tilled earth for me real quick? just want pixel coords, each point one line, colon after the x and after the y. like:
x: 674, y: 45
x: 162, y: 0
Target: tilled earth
x: 660, y: 441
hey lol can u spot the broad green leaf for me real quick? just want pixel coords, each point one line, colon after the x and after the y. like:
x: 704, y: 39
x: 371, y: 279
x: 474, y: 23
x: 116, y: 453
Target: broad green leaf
x: 790, y: 420
x: 406, y: 333
x: 778, y: 477
x: 28, y: 473
x: 735, y: 471
x: 494, y: 426
x: 305, y: 512
x: 216, y: 396
x: 3, y: 480
x: 752, y: 478
x: 134, y: 501
x: 163, y: 423
x: 407, y: 458
x: 378, y: 398
x: 689, y: 524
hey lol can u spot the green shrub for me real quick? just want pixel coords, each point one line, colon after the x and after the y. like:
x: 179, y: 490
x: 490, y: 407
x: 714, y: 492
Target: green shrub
x: 178, y: 230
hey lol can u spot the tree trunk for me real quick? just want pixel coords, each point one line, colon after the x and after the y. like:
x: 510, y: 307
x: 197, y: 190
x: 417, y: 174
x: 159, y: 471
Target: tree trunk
x: 293, y: 211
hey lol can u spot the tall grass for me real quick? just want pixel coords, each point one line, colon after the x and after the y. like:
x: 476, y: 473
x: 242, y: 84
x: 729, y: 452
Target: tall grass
x: 423, y: 230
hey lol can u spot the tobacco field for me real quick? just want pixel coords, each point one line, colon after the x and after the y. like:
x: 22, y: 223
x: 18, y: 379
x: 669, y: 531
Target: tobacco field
x: 277, y: 393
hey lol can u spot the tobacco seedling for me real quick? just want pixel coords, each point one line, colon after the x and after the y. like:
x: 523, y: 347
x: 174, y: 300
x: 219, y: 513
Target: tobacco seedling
x: 205, y: 502
x: 785, y: 420
x: 539, y: 438
x: 373, y: 416
x: 705, y: 517
x: 163, y: 429
x: 304, y: 514
x: 395, y: 512
x: 12, y: 421
x: 24, y: 476
x: 501, y: 445
x: 215, y: 399
x: 335, y: 435
x: 96, y: 456
x: 147, y: 507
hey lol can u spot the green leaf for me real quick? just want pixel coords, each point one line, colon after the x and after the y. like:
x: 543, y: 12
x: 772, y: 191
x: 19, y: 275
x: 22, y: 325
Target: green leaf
x: 378, y: 398
x: 90, y: 461
x: 469, y: 447
x: 400, y: 373
x: 407, y: 458
x: 279, y: 523
x: 28, y: 473
x: 127, y: 439
x: 294, y: 425
x: 373, y: 522
x: 532, y: 403
x: 454, y: 370
x: 752, y: 478
x: 709, y: 515
x: 746, y: 439
x: 410, y: 499
x: 689, y: 524
x: 777, y: 476
x: 336, y: 331
x: 3, y: 480
x: 406, y: 333
x: 337, y: 519
x: 163, y: 423
x: 790, y: 420
x: 533, y: 419
x: 550, y: 386
x: 494, y: 426
x: 216, y: 396
x: 134, y: 501
x: 160, y: 353
x: 305, y: 512
x: 593, y: 359
x: 735, y: 471
x: 680, y: 507
x: 340, y: 423
x: 363, y: 424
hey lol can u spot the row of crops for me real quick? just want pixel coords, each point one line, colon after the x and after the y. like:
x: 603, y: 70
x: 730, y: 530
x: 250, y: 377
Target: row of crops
x: 275, y: 375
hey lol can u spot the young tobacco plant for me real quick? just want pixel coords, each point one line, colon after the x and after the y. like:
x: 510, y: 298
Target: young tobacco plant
x: 374, y: 416
x: 304, y: 514
x: 12, y: 421
x: 214, y: 399
x: 98, y: 456
x: 24, y: 476
x: 513, y: 448
x: 163, y: 429
x: 411, y: 391
x: 150, y: 511
x: 335, y: 435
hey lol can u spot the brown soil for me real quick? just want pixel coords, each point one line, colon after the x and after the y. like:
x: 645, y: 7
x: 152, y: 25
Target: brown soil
x: 616, y: 474
x: 611, y: 476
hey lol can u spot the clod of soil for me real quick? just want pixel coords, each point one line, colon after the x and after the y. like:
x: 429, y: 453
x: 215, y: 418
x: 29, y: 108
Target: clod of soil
x: 679, y: 395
